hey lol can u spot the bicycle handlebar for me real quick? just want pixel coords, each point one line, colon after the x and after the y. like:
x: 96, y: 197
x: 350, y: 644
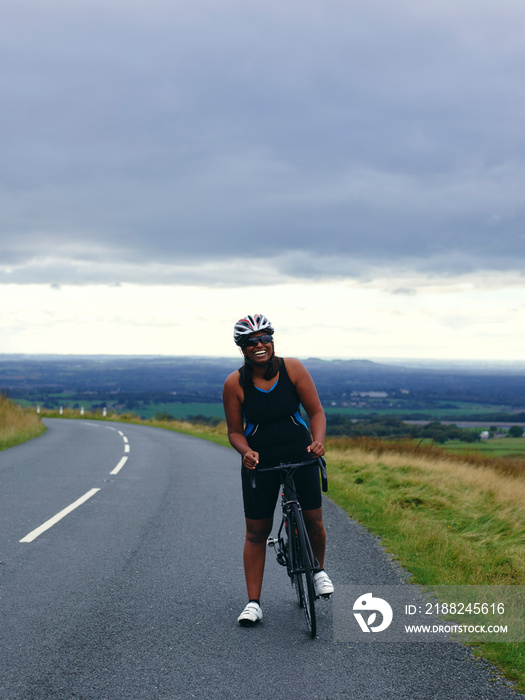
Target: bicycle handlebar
x: 289, y: 466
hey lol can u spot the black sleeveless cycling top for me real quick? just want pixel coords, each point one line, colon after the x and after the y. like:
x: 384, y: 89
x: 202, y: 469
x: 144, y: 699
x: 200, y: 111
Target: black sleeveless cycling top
x: 273, y: 424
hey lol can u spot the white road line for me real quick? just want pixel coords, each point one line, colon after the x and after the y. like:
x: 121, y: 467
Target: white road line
x: 54, y: 520
x: 125, y: 438
x: 126, y: 448
x: 119, y: 465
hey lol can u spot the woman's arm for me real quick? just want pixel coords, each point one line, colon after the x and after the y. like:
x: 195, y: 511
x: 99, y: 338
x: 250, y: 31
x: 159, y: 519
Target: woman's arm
x: 232, y: 402
x: 305, y: 387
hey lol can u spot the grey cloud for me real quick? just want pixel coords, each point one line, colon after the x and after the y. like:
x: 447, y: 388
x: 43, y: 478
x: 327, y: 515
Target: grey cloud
x: 177, y: 141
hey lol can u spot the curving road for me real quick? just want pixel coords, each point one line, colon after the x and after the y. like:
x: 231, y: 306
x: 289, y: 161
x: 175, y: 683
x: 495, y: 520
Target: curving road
x: 121, y: 578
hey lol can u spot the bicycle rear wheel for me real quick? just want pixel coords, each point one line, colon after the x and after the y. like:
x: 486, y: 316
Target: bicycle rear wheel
x: 303, y: 568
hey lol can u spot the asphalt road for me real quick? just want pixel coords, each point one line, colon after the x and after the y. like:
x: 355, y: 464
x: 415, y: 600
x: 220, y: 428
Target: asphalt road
x: 135, y: 592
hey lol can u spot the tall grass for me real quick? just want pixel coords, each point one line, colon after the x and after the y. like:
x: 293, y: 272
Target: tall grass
x: 446, y: 520
x: 467, y: 522
x: 17, y: 424
x: 509, y: 465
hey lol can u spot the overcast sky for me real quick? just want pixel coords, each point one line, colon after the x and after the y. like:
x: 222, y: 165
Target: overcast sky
x: 356, y: 169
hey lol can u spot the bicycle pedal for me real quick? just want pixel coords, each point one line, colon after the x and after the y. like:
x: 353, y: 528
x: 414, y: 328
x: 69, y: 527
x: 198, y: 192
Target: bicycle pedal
x: 271, y: 541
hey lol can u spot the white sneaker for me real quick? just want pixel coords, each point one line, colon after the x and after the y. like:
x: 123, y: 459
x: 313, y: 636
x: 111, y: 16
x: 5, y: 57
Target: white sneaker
x: 251, y: 614
x: 322, y: 584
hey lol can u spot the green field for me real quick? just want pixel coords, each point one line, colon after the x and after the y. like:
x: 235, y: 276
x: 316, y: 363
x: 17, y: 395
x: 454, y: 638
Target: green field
x: 214, y: 410
x: 498, y: 447
x: 182, y: 410
x: 401, y: 409
x: 178, y: 410
x: 56, y: 400
x: 458, y: 410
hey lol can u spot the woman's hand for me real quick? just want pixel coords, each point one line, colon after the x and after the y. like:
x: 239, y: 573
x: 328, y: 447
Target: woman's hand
x: 250, y: 459
x: 316, y: 448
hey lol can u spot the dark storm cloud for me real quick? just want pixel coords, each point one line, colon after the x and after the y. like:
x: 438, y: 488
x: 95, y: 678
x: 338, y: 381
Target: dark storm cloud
x: 160, y: 142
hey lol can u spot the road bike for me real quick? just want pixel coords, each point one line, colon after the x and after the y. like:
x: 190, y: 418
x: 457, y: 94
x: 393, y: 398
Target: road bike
x: 292, y: 544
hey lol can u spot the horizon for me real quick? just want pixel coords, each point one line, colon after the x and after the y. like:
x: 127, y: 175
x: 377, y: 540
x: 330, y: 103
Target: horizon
x: 428, y: 362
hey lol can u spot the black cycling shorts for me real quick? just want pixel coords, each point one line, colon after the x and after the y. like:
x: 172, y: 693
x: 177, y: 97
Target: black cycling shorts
x: 259, y: 502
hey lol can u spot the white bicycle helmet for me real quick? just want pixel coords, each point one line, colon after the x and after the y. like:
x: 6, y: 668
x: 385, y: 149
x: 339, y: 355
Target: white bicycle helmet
x: 250, y: 324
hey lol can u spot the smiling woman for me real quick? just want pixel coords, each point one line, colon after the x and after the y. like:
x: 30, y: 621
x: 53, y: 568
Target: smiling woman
x: 261, y: 404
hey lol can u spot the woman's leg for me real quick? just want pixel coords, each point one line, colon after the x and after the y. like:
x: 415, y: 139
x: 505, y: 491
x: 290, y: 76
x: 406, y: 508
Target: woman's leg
x: 313, y: 520
x: 257, y: 532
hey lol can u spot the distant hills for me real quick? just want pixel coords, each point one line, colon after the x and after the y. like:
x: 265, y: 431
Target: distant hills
x: 358, y: 386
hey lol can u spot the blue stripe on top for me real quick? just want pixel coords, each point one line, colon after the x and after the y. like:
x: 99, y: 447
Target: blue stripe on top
x: 297, y: 416
x: 267, y: 391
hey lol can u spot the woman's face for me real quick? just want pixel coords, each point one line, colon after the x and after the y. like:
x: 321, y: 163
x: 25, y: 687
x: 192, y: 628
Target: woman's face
x: 260, y: 353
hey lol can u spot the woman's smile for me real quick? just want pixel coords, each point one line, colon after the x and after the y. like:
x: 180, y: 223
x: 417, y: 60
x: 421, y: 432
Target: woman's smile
x: 260, y: 353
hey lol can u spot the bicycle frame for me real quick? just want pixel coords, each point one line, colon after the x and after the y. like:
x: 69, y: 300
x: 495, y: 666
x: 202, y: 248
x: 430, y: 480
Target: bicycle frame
x: 291, y: 509
x: 292, y: 544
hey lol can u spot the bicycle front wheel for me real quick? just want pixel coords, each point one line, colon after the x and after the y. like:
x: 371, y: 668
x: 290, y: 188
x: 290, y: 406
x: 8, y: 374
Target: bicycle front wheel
x: 303, y: 568
x: 296, y: 562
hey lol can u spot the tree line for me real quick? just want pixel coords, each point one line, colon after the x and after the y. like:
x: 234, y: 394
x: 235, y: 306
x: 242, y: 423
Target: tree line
x: 393, y: 427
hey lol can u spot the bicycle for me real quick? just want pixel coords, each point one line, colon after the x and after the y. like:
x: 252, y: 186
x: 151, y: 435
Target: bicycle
x: 292, y: 544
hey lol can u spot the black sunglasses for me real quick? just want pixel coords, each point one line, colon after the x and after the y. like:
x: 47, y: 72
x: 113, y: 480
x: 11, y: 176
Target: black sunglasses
x: 253, y: 342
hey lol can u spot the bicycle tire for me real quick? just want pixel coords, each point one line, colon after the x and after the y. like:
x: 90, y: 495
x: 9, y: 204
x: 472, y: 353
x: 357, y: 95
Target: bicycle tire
x: 295, y: 561
x: 304, y: 576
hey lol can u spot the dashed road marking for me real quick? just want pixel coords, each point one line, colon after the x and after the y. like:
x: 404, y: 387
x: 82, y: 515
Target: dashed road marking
x: 119, y: 466
x: 56, y: 518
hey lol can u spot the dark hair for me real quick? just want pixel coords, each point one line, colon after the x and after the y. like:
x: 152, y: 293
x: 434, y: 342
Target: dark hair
x: 246, y: 375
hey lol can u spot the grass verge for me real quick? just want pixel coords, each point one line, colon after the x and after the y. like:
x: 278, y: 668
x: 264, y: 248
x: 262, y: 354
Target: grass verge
x: 447, y: 519
x: 216, y: 433
x: 511, y: 448
x: 17, y: 424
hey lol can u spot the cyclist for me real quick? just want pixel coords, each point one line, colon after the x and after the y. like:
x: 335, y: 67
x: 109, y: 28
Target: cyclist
x: 261, y: 404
